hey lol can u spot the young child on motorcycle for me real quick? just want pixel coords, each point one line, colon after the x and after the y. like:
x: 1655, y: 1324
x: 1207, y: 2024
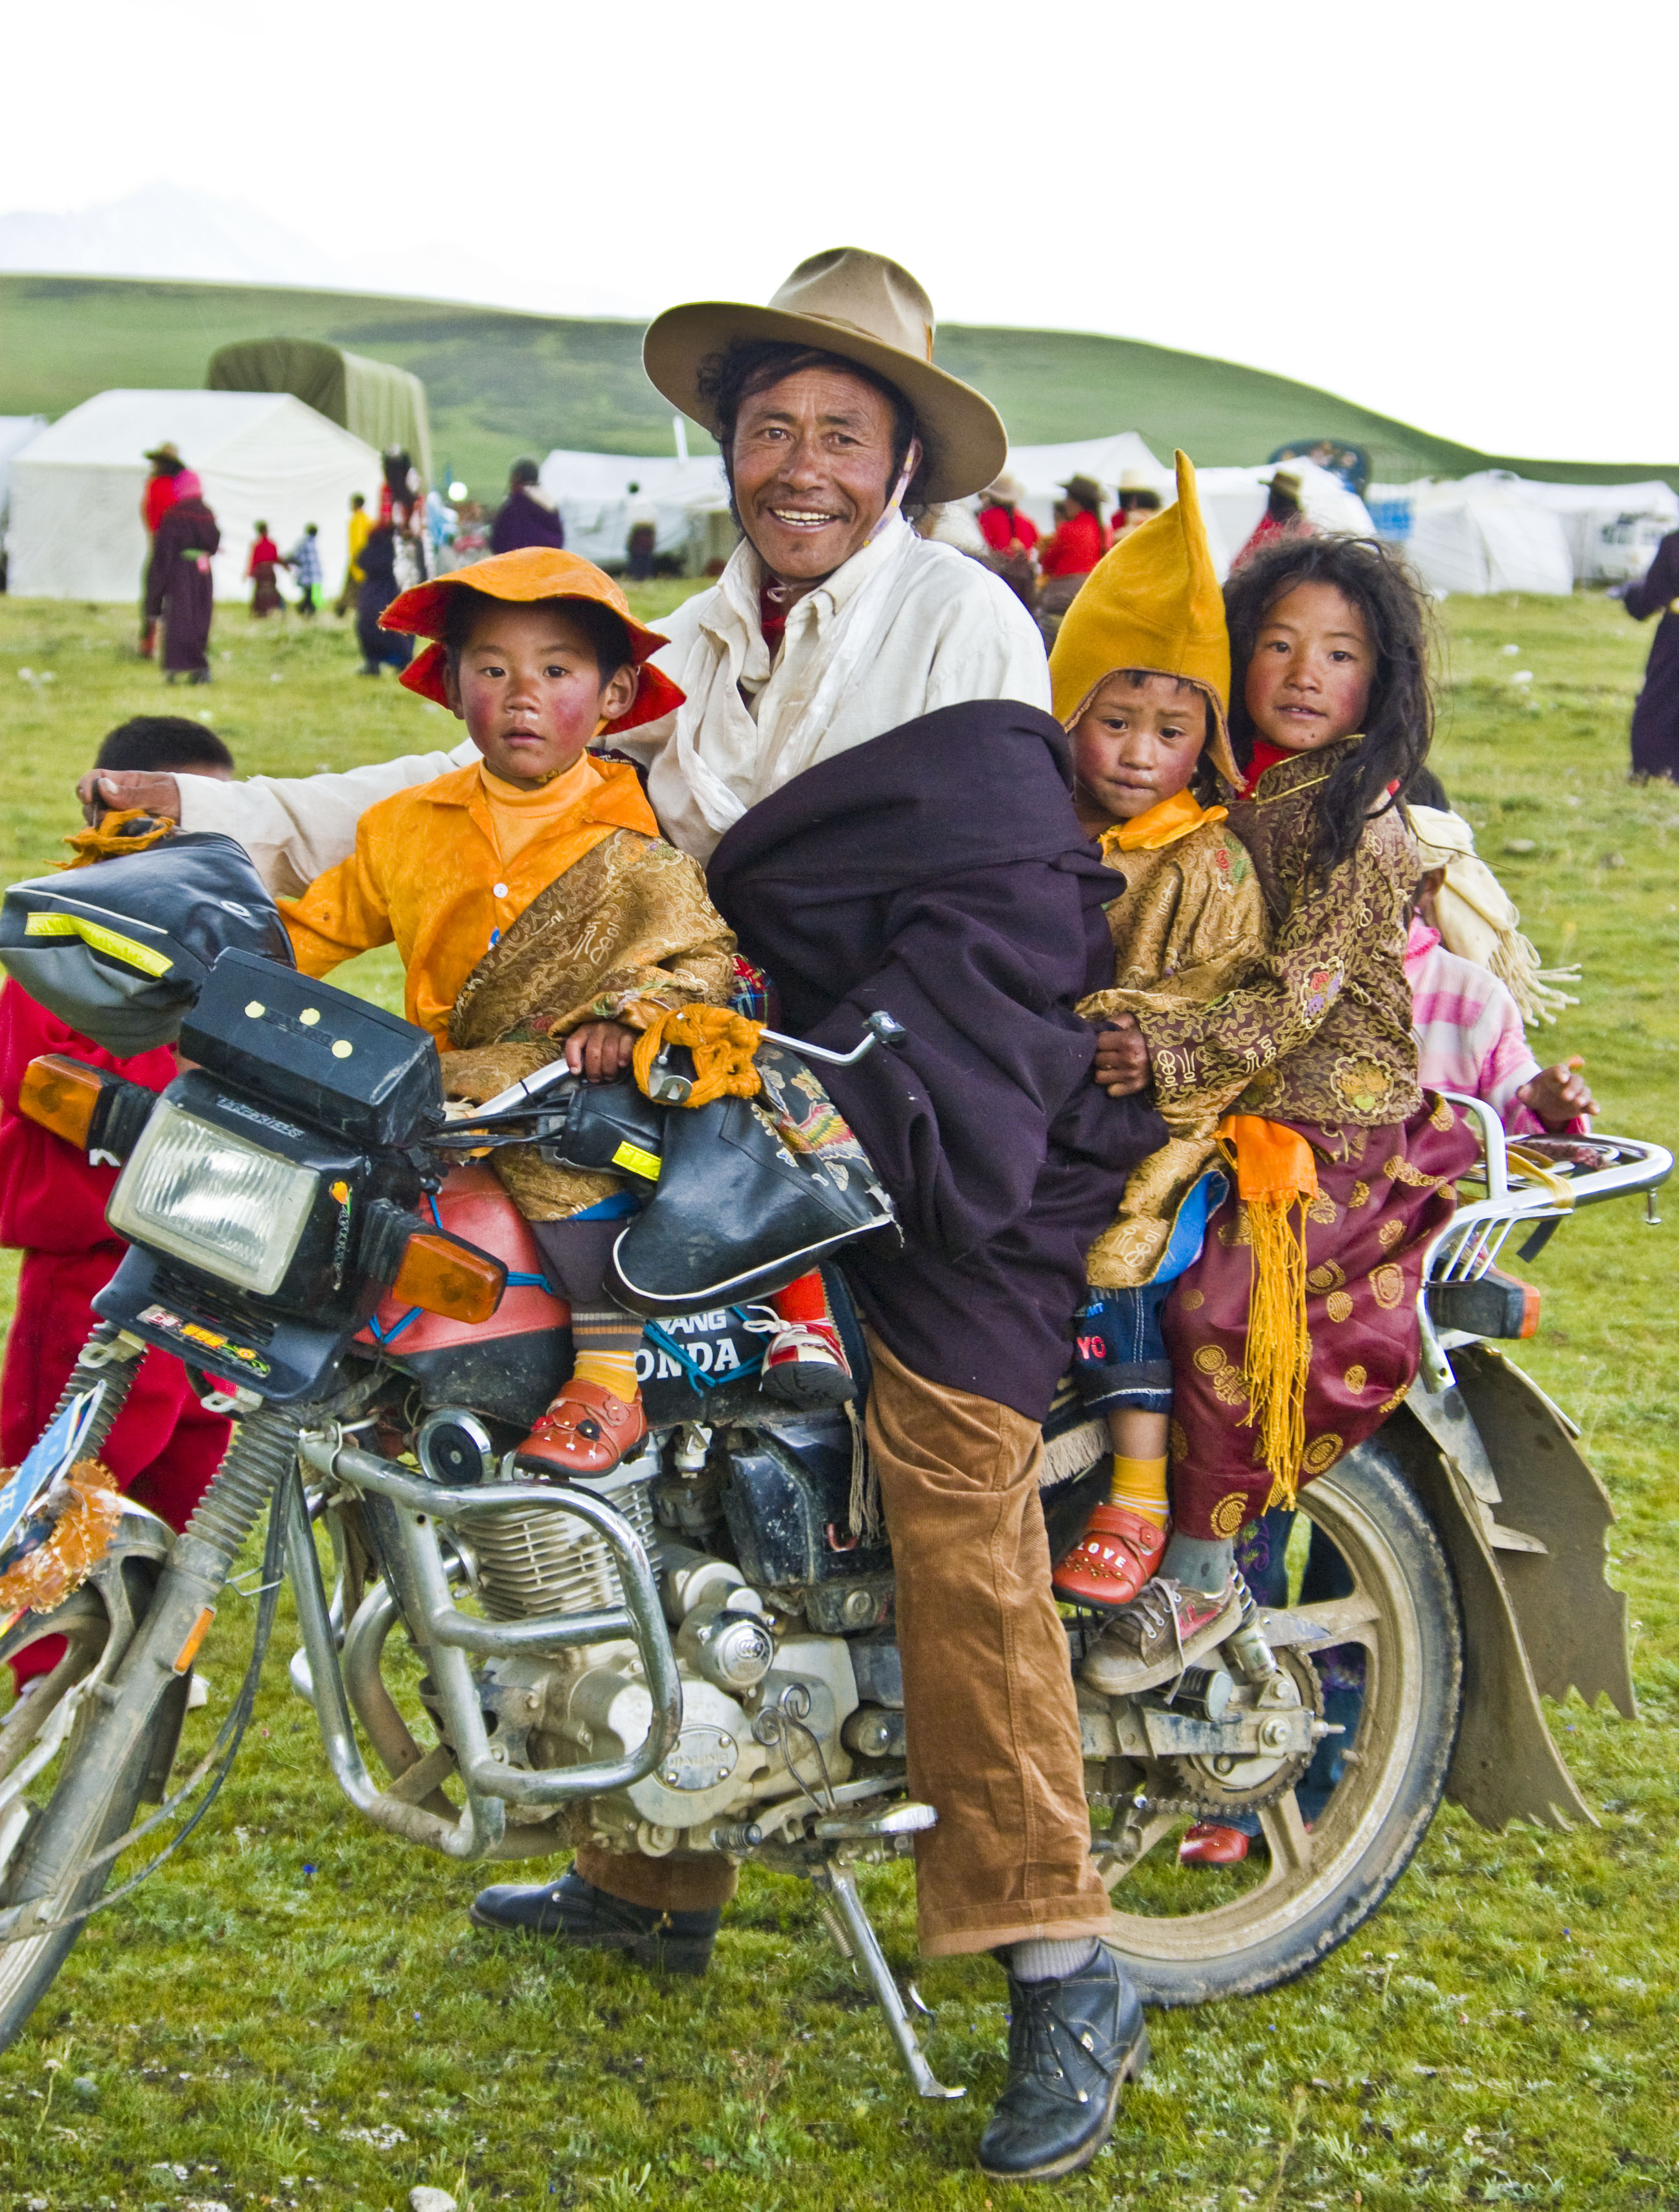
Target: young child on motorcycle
x: 164, y: 1447
x: 1141, y: 674
x: 538, y: 913
x: 1294, y: 1335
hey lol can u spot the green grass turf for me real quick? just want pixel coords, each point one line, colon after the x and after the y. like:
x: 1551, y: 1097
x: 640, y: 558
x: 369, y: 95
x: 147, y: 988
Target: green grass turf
x: 501, y: 383
x: 295, y: 2011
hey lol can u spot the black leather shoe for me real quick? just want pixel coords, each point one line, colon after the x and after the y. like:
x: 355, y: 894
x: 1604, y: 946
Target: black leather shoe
x: 1073, y: 2045
x: 595, y: 1920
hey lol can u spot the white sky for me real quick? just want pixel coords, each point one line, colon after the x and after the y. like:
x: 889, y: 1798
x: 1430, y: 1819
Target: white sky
x: 1457, y: 212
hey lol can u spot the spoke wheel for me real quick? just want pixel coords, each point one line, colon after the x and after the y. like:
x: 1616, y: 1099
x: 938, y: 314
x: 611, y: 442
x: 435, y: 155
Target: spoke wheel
x: 40, y: 1736
x: 1189, y: 1934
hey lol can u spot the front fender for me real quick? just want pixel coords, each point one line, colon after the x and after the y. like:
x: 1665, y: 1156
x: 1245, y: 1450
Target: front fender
x: 1522, y: 1518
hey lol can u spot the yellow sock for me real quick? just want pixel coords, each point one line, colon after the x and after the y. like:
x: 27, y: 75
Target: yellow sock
x: 613, y: 1370
x: 1140, y: 1483
x: 603, y: 1340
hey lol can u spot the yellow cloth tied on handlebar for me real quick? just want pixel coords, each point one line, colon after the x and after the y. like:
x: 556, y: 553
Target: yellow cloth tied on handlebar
x: 722, y: 1043
x: 1276, y: 1180
x: 116, y: 834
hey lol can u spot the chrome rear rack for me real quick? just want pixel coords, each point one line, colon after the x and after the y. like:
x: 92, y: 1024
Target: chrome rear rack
x: 1523, y: 1190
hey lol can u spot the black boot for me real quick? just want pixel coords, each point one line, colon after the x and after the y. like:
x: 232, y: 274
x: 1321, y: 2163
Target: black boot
x: 595, y: 1920
x: 1072, y: 2045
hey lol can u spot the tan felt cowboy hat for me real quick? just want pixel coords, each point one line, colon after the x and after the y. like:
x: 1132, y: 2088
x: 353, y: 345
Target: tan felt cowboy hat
x: 864, y: 308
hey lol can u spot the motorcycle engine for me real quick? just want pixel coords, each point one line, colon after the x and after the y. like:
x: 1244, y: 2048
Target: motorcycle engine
x: 765, y: 1699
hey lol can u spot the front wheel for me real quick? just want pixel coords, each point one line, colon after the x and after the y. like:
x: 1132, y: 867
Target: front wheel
x: 40, y: 1736
x: 1190, y: 1934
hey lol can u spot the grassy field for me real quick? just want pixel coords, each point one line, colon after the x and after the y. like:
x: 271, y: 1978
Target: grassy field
x: 501, y: 383
x: 295, y: 2012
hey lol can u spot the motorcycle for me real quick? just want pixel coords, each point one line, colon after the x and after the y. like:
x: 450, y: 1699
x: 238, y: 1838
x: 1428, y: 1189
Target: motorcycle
x: 695, y: 1653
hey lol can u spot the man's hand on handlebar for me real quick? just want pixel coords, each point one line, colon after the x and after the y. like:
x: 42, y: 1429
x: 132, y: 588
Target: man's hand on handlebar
x: 1121, y: 1058
x: 599, y: 1050
x: 118, y: 790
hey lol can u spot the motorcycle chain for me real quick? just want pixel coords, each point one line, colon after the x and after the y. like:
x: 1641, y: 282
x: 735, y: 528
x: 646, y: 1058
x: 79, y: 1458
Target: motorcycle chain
x: 1197, y: 1793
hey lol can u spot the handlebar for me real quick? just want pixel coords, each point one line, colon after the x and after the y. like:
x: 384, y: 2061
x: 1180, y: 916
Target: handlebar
x: 518, y: 1097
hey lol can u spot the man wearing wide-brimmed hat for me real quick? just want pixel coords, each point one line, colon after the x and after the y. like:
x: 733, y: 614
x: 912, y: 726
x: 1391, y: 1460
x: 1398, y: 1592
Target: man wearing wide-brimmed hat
x: 833, y: 622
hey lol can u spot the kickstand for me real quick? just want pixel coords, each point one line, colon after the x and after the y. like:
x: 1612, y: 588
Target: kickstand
x: 838, y: 1881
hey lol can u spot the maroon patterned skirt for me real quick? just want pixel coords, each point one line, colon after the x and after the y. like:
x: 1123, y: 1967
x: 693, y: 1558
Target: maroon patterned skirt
x: 1382, y: 1194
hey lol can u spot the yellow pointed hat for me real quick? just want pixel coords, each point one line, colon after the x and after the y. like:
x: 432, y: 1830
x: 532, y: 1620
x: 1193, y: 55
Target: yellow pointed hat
x: 1153, y: 602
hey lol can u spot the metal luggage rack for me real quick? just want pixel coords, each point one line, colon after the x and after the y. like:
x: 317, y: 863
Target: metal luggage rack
x: 1522, y: 1191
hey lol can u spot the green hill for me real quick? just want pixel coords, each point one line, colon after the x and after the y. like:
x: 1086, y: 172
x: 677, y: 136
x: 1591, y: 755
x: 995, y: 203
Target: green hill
x: 502, y: 384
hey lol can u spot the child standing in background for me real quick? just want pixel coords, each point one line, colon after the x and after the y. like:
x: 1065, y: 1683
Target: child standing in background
x: 304, y: 562
x: 259, y: 572
x: 164, y: 1447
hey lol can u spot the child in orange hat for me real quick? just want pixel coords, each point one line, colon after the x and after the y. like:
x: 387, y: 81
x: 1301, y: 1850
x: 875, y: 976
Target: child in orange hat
x: 1141, y: 674
x: 537, y: 910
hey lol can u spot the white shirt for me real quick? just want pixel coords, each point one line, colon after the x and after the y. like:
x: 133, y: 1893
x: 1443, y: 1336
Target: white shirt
x: 936, y: 628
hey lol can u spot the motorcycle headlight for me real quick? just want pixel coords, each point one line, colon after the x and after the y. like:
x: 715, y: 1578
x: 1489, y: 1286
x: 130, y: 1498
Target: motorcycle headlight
x: 203, y: 1195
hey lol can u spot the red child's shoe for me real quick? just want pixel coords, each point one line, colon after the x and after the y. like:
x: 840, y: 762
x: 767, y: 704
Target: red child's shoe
x: 1117, y: 1553
x: 806, y: 1366
x: 588, y: 1429
x: 1209, y: 1843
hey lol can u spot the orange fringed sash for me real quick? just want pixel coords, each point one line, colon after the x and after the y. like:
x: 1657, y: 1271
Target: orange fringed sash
x: 1276, y: 1180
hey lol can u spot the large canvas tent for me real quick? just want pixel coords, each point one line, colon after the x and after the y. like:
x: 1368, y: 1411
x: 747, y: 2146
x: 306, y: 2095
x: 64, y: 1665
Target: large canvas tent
x: 75, y: 528
x: 1476, y: 535
x: 373, y: 400
x: 16, y: 431
x: 689, y: 499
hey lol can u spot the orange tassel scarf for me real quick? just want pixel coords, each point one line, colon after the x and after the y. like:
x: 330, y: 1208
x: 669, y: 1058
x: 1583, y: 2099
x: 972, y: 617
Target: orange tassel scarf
x: 1276, y: 1180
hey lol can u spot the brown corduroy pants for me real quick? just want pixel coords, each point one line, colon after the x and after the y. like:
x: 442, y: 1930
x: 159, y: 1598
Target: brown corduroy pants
x: 992, y: 1725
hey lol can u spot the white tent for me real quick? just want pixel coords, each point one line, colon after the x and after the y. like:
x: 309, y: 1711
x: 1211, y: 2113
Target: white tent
x: 1476, y: 537
x: 679, y: 497
x: 1612, y: 530
x: 16, y: 431
x: 75, y: 528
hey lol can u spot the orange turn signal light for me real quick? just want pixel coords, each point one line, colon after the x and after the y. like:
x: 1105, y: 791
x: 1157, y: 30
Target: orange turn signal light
x: 443, y: 1274
x: 61, y: 1094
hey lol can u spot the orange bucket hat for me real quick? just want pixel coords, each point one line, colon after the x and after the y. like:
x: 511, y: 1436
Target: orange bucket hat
x: 535, y: 571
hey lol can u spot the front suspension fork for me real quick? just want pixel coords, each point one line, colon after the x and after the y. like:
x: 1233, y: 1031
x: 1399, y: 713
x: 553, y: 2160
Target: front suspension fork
x: 122, y: 1711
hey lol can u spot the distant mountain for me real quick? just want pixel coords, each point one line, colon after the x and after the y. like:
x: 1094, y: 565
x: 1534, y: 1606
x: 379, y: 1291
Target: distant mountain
x: 166, y: 230
x: 171, y: 231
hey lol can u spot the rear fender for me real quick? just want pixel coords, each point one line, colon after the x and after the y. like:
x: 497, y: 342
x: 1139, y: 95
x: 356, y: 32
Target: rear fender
x: 1573, y: 1623
x: 1505, y: 1766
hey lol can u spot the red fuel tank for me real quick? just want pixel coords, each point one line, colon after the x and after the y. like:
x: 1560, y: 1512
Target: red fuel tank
x: 473, y: 1205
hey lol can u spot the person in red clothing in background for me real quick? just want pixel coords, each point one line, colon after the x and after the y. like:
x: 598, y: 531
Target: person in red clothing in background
x: 1003, y: 522
x: 1079, y: 540
x: 1071, y: 549
x: 155, y: 501
x: 164, y: 1447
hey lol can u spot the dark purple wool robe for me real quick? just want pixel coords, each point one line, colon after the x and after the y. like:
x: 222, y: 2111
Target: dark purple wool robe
x: 178, y: 589
x: 1656, y: 716
x: 939, y: 874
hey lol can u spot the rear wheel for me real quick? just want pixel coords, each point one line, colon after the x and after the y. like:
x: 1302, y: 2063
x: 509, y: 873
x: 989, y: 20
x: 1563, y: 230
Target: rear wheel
x: 1189, y: 1934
